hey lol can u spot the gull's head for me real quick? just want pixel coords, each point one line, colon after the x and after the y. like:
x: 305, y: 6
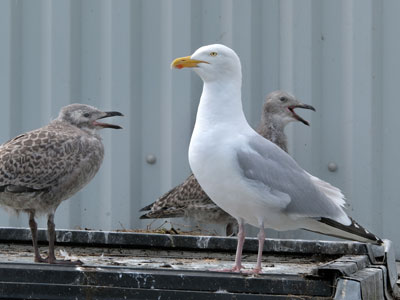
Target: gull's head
x: 280, y: 106
x: 86, y: 117
x: 212, y: 62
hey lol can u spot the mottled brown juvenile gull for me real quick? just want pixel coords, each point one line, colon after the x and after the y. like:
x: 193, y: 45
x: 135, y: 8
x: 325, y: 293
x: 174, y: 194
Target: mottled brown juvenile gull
x: 188, y: 199
x: 41, y: 168
x: 246, y: 175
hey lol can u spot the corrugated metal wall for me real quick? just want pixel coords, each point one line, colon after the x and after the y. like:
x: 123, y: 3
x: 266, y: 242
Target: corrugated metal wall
x: 340, y: 56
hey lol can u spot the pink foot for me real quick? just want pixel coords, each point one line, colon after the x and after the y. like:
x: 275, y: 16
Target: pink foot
x: 57, y: 261
x: 39, y: 259
x: 66, y: 262
x: 253, y: 271
x: 235, y: 269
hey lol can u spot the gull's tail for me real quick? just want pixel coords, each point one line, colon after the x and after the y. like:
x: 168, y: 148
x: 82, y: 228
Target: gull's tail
x: 164, y: 207
x: 162, y: 212
x: 354, y: 231
x: 148, y: 207
x: 176, y: 202
x: 328, y: 226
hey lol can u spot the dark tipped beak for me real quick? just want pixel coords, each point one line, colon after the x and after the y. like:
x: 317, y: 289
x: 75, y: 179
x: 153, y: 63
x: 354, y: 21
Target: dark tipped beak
x: 296, y: 116
x: 112, y: 114
x: 305, y: 106
x: 109, y: 114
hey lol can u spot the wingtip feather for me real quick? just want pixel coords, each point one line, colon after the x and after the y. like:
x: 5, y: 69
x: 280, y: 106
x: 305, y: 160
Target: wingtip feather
x: 354, y: 229
x: 332, y: 192
x: 146, y: 208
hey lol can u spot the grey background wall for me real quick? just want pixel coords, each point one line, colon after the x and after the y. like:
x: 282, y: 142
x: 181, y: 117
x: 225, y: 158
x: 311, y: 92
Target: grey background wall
x: 340, y: 56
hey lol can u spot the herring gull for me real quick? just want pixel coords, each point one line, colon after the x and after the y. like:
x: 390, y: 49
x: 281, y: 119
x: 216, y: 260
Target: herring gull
x: 188, y: 199
x: 246, y: 175
x: 41, y: 168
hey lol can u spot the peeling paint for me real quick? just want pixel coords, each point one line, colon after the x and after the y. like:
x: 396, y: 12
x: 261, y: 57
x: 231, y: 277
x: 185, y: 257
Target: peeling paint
x: 202, y: 242
x: 106, y: 233
x: 90, y: 235
x: 171, y: 238
x: 66, y: 237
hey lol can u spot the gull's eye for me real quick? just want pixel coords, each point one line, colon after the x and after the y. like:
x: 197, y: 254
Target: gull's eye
x: 283, y: 98
x: 213, y: 53
x: 86, y: 115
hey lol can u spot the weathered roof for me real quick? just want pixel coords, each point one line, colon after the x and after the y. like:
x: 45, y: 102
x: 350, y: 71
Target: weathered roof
x: 140, y: 266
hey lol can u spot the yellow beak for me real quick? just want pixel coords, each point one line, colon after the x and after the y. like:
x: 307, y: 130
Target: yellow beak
x: 186, y: 62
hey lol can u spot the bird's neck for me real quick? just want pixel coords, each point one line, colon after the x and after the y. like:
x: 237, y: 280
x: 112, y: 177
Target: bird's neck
x: 273, y: 129
x: 64, y: 124
x: 221, y: 103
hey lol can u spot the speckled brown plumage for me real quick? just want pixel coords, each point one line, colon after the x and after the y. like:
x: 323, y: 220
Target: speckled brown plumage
x: 48, y: 164
x: 43, y: 167
x: 190, y: 201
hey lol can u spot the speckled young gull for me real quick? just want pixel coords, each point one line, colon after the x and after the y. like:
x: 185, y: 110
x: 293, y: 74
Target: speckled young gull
x: 41, y: 168
x: 188, y: 199
x: 248, y: 176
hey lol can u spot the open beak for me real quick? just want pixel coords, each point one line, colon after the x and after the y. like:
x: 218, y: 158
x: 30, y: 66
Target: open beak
x: 107, y: 115
x: 296, y: 116
x: 186, y: 62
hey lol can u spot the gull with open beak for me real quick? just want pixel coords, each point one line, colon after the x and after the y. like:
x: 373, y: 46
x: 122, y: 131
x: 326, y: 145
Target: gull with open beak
x: 41, y: 168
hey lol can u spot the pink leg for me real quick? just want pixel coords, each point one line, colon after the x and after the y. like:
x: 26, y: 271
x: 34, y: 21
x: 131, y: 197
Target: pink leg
x: 239, y: 249
x: 238, y: 258
x: 33, y: 226
x: 261, y: 239
x: 51, y: 259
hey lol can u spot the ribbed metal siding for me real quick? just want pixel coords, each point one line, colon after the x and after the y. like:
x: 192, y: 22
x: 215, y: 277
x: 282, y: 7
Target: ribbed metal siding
x: 340, y: 56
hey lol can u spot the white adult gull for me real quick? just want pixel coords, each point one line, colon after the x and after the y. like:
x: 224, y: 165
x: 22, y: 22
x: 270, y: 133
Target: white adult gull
x: 188, y: 199
x: 248, y: 176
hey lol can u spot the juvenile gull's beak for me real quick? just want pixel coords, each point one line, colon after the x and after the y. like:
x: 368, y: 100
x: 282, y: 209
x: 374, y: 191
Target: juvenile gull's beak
x: 296, y: 116
x: 186, y: 62
x: 107, y: 115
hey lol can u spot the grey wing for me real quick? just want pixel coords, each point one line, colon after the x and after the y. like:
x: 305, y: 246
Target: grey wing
x: 35, y: 163
x: 273, y: 170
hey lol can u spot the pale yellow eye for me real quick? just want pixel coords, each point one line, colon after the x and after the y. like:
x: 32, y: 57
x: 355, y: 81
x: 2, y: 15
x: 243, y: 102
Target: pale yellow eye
x: 213, y: 53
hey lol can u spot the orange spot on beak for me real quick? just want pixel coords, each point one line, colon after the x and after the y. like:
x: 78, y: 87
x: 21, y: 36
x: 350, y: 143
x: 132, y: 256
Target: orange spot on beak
x: 186, y: 62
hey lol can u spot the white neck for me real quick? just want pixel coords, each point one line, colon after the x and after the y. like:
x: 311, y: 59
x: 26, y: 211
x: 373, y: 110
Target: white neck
x: 221, y: 103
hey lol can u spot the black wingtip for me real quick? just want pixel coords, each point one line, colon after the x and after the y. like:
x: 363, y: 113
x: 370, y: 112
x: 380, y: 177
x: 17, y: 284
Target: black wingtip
x: 354, y: 228
x: 144, y: 217
x: 146, y: 208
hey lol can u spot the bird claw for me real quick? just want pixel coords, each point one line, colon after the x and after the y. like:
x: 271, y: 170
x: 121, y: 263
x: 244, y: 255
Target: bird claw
x: 239, y: 269
x: 235, y: 269
x: 55, y: 261
x: 66, y: 262
x: 40, y: 259
x: 255, y: 271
